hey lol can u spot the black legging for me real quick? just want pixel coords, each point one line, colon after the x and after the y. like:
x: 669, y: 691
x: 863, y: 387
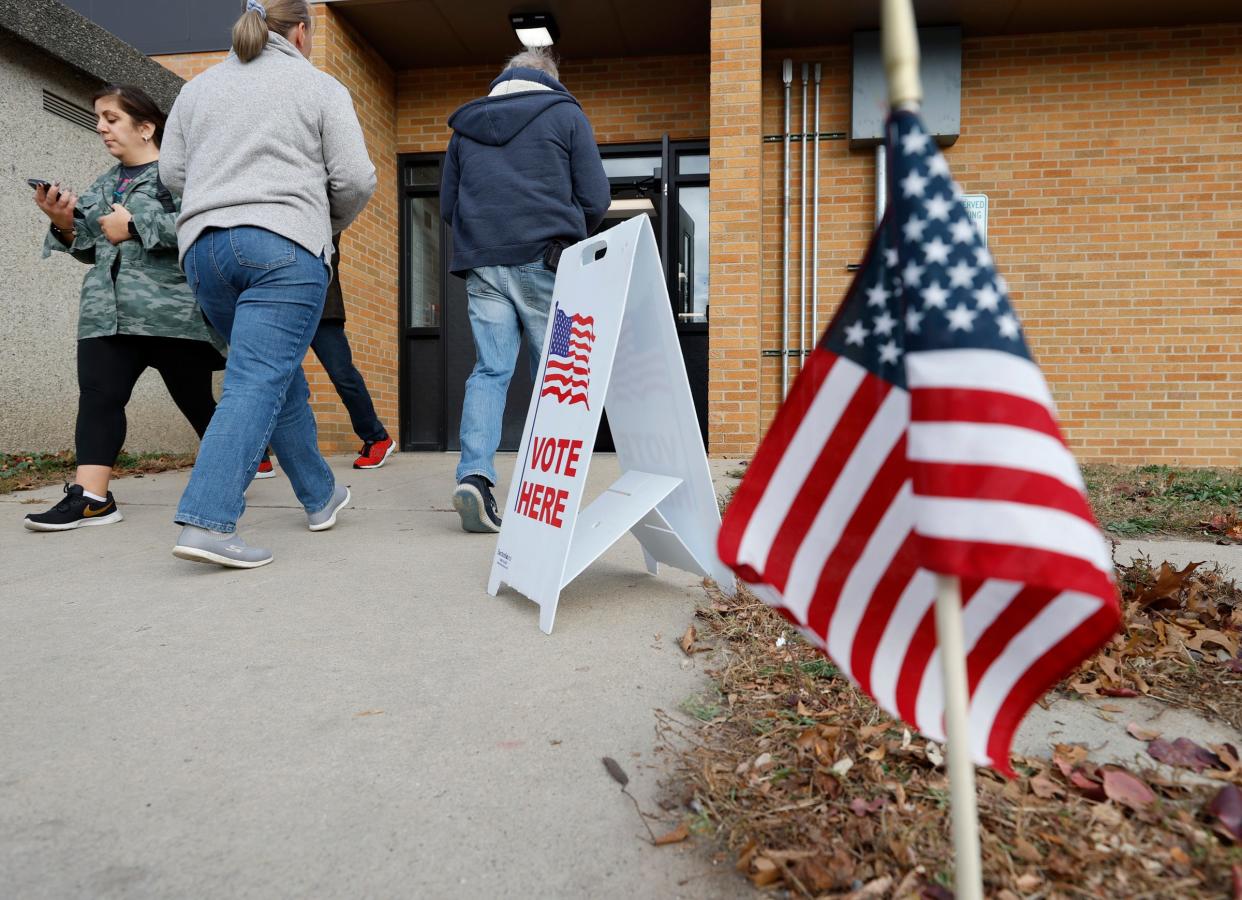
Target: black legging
x: 108, y: 369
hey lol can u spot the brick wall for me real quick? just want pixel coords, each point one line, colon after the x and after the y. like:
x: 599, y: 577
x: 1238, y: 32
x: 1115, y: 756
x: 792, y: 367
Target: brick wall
x: 187, y: 65
x: 1113, y: 166
x: 369, y: 247
x: 627, y: 100
x: 737, y: 202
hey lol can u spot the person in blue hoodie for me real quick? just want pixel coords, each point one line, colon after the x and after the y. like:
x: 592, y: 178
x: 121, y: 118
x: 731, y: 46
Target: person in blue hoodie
x: 522, y: 179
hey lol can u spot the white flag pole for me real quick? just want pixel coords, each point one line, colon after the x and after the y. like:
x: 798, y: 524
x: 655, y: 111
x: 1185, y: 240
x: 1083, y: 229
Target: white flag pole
x: 968, y: 875
x: 901, y: 63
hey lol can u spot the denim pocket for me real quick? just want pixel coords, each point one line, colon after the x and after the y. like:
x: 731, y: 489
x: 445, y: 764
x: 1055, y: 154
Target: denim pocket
x: 258, y: 248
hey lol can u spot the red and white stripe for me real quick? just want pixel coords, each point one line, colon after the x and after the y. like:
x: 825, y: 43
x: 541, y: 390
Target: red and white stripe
x: 861, y: 490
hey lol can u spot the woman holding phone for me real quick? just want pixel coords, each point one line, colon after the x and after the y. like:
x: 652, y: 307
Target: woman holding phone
x: 136, y: 309
x: 270, y: 161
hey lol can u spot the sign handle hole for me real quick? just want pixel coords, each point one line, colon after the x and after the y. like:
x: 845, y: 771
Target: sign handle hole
x: 594, y: 252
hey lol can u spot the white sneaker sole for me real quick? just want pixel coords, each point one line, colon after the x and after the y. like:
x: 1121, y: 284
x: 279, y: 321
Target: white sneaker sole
x: 261, y: 475
x: 391, y: 448
x: 324, y: 526
x: 468, y: 501
x: 194, y: 554
x: 109, y: 519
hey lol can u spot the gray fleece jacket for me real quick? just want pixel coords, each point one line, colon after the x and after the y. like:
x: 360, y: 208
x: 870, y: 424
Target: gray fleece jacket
x: 273, y: 143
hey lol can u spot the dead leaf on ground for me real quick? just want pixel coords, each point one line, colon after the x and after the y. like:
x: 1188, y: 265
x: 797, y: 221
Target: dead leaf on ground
x: 1226, y: 807
x: 1184, y: 753
x: 1169, y: 582
x: 368, y: 712
x: 1124, y: 788
x: 877, y: 887
x: 687, y: 640
x: 1045, y: 788
x: 676, y: 836
x: 861, y: 807
x: 1138, y: 732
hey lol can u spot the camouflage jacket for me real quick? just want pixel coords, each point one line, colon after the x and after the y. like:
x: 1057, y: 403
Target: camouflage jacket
x: 136, y: 286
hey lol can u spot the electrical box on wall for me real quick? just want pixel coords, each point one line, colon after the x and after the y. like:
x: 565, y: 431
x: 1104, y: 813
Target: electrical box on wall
x: 940, y: 68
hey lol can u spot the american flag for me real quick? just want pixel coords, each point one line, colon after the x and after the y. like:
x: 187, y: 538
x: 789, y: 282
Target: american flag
x: 569, y: 378
x: 921, y: 438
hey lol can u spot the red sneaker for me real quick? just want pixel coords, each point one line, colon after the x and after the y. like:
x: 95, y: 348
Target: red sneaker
x: 375, y: 453
x: 266, y: 469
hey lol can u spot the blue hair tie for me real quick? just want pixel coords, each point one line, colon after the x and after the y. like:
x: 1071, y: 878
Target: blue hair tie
x: 258, y: 7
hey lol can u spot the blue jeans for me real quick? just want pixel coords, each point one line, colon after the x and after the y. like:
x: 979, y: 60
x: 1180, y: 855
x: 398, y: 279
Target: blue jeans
x: 506, y: 303
x: 264, y: 294
x: 332, y: 347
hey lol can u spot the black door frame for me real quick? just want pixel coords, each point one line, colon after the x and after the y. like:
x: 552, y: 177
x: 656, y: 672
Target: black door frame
x: 432, y: 338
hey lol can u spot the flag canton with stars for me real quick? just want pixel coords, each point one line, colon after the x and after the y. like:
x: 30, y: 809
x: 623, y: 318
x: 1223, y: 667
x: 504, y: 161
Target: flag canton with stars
x: 562, y: 333
x: 928, y: 282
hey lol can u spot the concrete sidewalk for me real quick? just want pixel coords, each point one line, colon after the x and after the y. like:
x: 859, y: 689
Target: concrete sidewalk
x: 358, y: 719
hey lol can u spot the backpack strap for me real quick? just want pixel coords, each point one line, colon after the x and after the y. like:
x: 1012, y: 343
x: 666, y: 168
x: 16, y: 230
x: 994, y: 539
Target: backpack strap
x: 164, y: 195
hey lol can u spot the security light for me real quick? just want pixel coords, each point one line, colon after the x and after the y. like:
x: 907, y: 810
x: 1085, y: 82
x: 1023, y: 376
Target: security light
x: 535, y: 29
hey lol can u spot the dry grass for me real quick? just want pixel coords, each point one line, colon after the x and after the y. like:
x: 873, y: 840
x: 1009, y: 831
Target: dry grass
x: 1156, y: 500
x: 818, y: 791
x: 26, y: 471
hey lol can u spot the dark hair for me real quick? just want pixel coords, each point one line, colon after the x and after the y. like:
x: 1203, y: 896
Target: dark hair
x: 137, y: 104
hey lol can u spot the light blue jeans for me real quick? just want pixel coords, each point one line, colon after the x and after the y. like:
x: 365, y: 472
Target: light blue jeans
x: 507, y: 304
x: 264, y: 294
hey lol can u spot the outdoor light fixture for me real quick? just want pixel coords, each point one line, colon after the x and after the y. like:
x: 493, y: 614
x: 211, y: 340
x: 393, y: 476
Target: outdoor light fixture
x: 535, y: 29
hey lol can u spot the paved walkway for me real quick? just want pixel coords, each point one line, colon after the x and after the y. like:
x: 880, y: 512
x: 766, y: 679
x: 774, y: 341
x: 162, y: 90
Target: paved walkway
x: 358, y: 719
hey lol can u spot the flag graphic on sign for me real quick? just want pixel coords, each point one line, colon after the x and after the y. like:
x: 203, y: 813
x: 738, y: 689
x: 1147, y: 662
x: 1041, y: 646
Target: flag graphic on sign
x: 567, y: 376
x: 921, y: 438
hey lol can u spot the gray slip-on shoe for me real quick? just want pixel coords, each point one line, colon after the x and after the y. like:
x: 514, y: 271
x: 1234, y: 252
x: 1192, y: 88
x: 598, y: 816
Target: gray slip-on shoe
x: 326, y: 517
x: 228, y: 550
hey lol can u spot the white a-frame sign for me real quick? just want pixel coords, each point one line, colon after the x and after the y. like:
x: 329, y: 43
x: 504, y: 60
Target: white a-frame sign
x: 611, y: 343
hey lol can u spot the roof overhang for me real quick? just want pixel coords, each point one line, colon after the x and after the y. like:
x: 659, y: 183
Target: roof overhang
x: 413, y: 34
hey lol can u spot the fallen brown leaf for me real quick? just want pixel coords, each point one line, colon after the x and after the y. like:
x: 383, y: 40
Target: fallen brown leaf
x: 687, y: 640
x: 1122, y: 787
x: 1045, y: 788
x: 676, y: 836
x: 1138, y: 732
x: 1226, y: 807
x: 1185, y: 753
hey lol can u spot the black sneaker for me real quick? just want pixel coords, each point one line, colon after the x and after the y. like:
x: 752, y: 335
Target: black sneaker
x: 76, y: 510
x: 475, y: 504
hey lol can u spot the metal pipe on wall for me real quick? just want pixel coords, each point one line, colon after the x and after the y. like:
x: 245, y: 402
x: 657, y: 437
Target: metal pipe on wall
x: 881, y: 182
x: 815, y: 223
x: 806, y: 77
x: 787, y: 77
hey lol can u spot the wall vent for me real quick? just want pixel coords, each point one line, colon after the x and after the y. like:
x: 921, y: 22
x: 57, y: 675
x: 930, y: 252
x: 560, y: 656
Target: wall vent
x: 68, y: 110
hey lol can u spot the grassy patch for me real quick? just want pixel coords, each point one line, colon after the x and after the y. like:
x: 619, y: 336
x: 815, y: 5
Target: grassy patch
x: 1200, y: 503
x: 24, y: 471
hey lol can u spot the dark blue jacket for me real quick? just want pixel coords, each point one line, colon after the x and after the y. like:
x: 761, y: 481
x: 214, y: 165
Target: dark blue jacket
x: 522, y: 170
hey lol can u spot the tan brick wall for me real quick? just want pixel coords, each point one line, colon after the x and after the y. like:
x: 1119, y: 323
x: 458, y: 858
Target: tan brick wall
x: 1113, y: 166
x: 737, y: 202
x: 369, y: 247
x: 187, y: 65
x: 627, y: 100
x: 369, y: 266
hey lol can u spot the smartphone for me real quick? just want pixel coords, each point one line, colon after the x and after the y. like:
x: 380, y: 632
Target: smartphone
x: 36, y: 183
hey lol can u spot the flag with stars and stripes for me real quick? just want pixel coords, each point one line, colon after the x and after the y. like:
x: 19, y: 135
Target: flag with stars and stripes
x: 568, y: 378
x: 921, y: 438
